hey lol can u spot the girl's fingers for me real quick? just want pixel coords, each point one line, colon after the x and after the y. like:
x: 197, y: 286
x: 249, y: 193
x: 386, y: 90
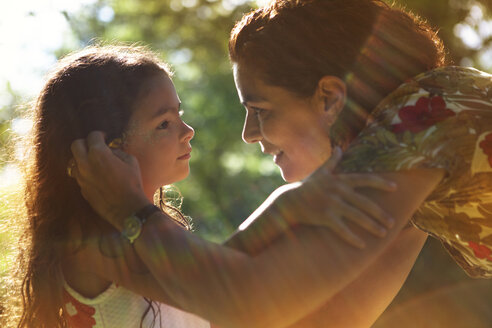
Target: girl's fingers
x: 361, y: 219
x: 357, y: 180
x: 336, y: 156
x: 366, y: 205
x: 341, y: 230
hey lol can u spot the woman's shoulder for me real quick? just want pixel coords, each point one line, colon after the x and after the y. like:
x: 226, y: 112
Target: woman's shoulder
x: 440, y: 119
x: 454, y: 84
x: 454, y: 71
x: 455, y: 79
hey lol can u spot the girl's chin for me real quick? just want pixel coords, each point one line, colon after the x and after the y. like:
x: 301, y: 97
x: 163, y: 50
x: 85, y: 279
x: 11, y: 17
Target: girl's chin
x: 175, y: 179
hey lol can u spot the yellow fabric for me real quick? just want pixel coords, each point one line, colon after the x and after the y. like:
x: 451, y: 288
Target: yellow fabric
x: 440, y: 119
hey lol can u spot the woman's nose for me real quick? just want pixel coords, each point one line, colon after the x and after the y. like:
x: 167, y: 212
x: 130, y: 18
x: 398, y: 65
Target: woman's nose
x: 251, y: 128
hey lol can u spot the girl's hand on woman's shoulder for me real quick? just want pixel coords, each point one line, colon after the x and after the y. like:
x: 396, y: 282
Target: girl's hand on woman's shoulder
x: 335, y: 201
x: 324, y: 199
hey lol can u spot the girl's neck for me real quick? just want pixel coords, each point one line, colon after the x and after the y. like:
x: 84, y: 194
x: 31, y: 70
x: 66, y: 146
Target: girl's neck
x: 75, y: 263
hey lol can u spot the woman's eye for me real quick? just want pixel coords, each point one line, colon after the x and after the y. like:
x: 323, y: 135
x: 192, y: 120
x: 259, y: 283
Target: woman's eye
x: 257, y: 110
x: 163, y: 125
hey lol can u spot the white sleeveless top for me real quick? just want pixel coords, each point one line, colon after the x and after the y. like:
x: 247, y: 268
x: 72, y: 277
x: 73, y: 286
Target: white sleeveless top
x: 118, y: 307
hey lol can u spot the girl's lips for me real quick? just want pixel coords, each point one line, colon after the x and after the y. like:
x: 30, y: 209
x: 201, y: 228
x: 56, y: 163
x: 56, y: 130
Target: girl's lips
x: 185, y: 156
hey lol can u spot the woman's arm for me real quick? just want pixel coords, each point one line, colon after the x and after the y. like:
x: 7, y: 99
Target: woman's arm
x: 358, y: 305
x: 291, y: 278
x: 124, y: 268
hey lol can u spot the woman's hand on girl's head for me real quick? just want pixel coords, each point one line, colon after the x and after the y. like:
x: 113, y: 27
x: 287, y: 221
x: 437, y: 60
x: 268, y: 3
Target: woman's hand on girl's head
x: 109, y: 179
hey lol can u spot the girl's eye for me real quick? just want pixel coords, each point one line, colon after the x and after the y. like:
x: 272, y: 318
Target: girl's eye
x: 163, y: 125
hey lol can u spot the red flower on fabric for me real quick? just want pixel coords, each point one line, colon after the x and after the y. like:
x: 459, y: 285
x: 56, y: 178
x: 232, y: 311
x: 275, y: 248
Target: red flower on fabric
x: 486, y: 146
x: 481, y: 251
x: 79, y: 315
x: 424, y: 114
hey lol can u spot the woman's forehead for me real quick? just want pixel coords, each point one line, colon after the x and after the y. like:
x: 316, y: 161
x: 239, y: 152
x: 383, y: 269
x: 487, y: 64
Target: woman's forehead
x: 248, y: 84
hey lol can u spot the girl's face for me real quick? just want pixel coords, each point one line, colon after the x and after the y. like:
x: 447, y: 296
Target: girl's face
x: 293, y: 130
x: 158, y: 137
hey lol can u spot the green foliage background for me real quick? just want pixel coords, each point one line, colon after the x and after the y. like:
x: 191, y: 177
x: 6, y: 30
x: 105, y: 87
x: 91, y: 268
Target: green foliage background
x: 229, y: 178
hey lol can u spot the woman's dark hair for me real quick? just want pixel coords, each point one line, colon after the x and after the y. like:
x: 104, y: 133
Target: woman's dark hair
x: 370, y: 45
x: 94, y: 89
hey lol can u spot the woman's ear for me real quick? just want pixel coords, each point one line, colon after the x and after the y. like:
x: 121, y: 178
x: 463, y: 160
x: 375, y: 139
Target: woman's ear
x: 331, y: 94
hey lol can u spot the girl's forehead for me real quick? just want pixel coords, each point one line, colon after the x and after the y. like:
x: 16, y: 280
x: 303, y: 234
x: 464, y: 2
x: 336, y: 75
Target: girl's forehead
x: 157, y: 97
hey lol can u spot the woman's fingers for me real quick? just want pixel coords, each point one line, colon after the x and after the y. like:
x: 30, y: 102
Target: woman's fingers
x: 79, y: 151
x: 125, y: 157
x: 95, y: 139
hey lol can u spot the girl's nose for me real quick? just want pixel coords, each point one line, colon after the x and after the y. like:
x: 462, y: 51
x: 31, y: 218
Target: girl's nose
x: 189, y: 133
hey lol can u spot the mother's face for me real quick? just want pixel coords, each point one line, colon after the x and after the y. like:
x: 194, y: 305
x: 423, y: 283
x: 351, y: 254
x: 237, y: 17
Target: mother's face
x: 295, y: 131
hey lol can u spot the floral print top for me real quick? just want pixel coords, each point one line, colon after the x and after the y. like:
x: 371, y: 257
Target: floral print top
x: 440, y: 119
x: 119, y: 307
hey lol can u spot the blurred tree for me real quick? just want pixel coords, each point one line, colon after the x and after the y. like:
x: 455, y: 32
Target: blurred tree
x: 229, y: 178
x: 465, y: 26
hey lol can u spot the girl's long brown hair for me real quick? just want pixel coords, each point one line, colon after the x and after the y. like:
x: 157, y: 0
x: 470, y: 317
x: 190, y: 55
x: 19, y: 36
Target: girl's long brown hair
x: 94, y: 89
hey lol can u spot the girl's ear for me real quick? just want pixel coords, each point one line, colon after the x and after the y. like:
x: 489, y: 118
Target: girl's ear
x: 331, y: 95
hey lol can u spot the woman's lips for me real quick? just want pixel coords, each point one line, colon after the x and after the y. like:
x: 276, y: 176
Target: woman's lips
x: 276, y: 158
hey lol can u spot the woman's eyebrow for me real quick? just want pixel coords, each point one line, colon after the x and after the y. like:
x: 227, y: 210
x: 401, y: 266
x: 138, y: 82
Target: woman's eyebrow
x: 252, y: 98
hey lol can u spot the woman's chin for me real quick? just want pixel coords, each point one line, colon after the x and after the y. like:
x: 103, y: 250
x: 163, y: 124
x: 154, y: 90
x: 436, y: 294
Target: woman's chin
x: 290, y: 176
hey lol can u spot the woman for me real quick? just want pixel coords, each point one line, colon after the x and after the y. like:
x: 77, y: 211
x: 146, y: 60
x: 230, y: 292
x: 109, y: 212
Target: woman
x: 126, y: 92
x: 392, y: 49
x: 290, y: 78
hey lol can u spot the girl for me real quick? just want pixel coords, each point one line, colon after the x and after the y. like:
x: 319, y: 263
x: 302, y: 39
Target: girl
x: 127, y: 93
x: 121, y: 91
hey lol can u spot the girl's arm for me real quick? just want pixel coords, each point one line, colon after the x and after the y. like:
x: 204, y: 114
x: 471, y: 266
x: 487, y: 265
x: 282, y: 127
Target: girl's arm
x: 282, y: 284
x: 358, y: 305
x: 361, y: 302
x: 279, y: 286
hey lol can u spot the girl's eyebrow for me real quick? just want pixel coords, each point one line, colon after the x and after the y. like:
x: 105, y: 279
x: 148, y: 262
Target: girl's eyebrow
x: 163, y: 110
